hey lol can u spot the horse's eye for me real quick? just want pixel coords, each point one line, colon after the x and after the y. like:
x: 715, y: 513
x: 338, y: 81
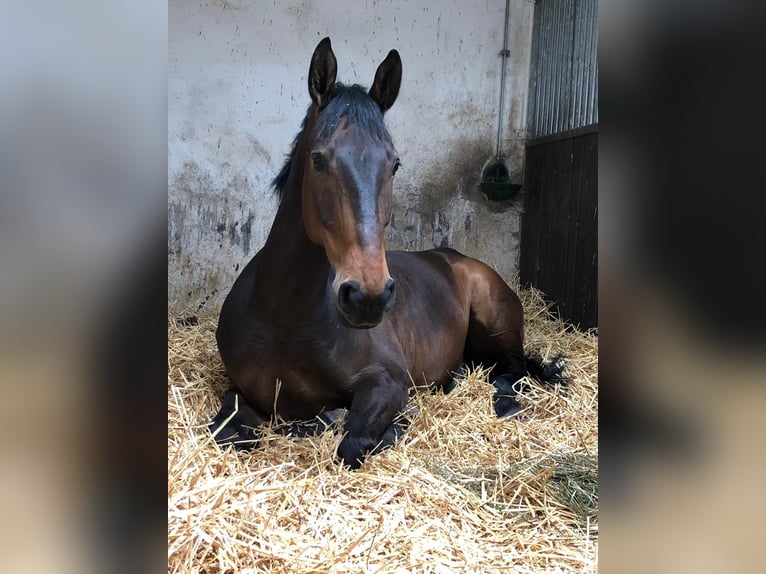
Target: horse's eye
x: 319, y: 161
x: 397, y: 165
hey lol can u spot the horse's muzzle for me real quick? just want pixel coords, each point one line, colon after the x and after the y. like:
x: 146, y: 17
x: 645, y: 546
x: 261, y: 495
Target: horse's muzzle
x: 360, y: 309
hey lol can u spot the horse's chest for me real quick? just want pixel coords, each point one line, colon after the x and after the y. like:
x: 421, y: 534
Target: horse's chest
x: 296, y: 390
x: 298, y: 369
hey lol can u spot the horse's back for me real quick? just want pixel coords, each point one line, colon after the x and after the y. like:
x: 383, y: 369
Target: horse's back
x: 445, y: 267
x: 430, y: 284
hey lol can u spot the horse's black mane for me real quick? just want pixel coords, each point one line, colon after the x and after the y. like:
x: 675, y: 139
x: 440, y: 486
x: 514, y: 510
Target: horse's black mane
x: 352, y: 102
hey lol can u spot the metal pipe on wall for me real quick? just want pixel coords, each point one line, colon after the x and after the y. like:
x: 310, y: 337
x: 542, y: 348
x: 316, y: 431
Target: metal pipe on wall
x: 505, y: 53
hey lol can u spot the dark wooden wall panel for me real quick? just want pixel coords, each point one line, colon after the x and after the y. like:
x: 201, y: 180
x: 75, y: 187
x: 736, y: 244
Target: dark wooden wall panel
x: 560, y: 225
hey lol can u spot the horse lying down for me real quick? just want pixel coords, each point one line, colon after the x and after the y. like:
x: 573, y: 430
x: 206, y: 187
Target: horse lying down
x: 340, y: 322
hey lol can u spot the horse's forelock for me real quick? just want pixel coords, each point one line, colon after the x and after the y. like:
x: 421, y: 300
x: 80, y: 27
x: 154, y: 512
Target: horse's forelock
x: 352, y: 102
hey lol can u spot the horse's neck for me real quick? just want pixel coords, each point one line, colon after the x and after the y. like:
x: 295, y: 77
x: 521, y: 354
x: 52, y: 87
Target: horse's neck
x: 292, y: 270
x: 288, y: 252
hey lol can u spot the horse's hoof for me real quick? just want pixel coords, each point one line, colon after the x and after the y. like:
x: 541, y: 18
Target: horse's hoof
x: 506, y: 406
x: 449, y: 386
x: 240, y: 437
x: 353, y: 450
x: 507, y: 389
x: 329, y: 418
x: 409, y: 412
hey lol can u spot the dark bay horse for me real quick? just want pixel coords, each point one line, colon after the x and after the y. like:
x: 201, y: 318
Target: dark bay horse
x: 324, y: 318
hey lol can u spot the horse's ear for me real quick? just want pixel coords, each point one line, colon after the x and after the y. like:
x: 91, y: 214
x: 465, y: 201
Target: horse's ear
x: 322, y: 73
x: 388, y: 78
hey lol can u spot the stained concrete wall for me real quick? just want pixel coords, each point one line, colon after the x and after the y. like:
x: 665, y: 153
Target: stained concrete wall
x: 237, y: 95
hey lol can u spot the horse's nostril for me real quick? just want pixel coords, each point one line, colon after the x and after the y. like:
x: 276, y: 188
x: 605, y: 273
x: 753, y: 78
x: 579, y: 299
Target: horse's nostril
x: 361, y: 308
x: 346, y: 292
x: 389, y: 288
x: 389, y: 293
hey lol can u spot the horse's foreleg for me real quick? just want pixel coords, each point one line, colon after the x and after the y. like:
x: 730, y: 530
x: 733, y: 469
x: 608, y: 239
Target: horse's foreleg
x: 378, y: 398
x: 236, y: 422
x: 400, y: 423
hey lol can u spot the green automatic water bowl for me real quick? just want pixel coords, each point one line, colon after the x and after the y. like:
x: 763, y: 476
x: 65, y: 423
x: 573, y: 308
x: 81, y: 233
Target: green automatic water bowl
x: 495, y: 183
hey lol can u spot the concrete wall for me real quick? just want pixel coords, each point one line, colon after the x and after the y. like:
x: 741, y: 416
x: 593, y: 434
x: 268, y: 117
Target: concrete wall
x: 237, y: 95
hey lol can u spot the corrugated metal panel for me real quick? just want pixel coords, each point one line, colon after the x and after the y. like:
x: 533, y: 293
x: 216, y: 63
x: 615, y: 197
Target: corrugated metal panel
x: 563, y: 89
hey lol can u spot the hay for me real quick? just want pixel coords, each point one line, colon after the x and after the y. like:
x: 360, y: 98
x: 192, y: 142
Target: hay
x: 462, y: 491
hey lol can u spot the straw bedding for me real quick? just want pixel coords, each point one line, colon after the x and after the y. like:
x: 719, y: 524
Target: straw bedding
x: 462, y: 491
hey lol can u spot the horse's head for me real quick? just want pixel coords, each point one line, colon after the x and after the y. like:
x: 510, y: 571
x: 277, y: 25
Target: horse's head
x: 347, y: 183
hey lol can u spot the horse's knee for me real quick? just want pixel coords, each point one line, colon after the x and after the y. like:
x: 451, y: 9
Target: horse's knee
x: 378, y: 398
